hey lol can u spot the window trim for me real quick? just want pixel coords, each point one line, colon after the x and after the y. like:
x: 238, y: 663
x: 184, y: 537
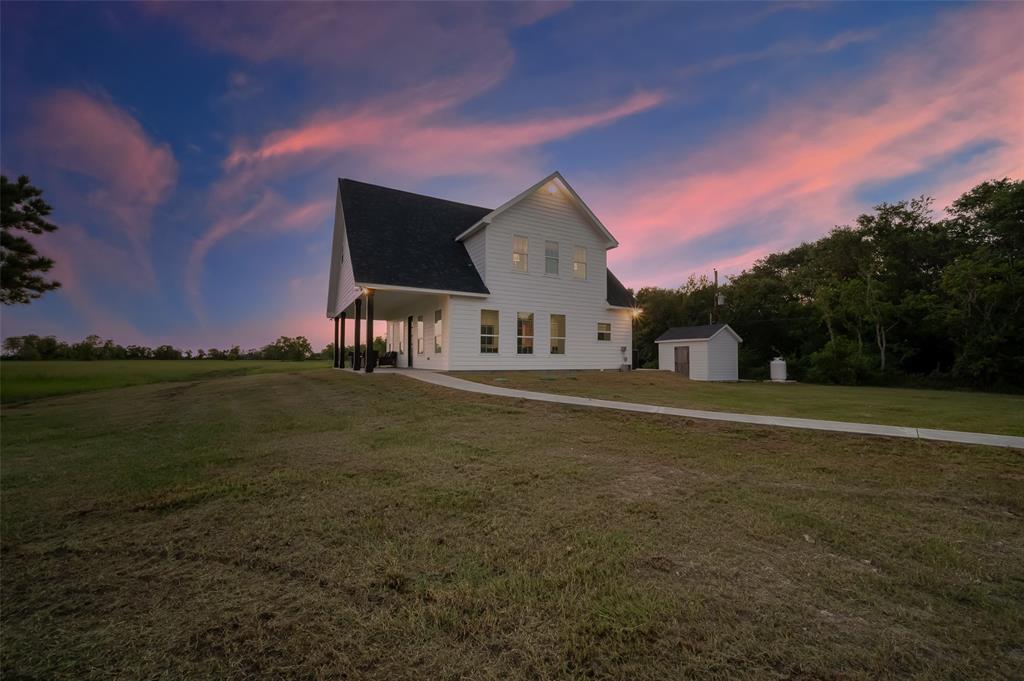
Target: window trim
x: 496, y: 335
x: 520, y: 336
x: 576, y: 262
x: 599, y: 332
x: 552, y: 337
x: 438, y: 337
x: 525, y: 254
x: 557, y: 258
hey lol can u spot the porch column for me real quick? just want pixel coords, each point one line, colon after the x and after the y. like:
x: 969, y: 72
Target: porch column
x: 357, y: 362
x: 335, y: 337
x: 341, y: 342
x: 370, y: 358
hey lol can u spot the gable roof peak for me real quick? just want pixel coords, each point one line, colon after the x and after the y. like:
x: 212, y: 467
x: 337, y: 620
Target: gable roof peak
x: 559, y: 181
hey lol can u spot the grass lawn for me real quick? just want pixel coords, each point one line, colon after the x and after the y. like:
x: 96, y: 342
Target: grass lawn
x: 943, y: 409
x: 319, y: 524
x: 20, y: 381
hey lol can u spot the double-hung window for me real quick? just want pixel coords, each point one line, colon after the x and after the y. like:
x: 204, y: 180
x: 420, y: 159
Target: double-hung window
x: 551, y: 258
x: 419, y: 335
x: 604, y: 331
x: 438, y: 328
x: 524, y: 333
x: 489, y: 331
x: 558, y: 334
x: 520, y: 253
x: 579, y: 263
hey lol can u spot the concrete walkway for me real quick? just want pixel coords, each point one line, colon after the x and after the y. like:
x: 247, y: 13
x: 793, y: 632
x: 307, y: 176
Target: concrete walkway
x: 447, y: 381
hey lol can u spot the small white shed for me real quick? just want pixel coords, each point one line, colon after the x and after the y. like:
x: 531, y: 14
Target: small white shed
x: 702, y: 353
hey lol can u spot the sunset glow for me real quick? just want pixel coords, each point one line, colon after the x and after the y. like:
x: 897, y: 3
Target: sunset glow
x: 191, y: 151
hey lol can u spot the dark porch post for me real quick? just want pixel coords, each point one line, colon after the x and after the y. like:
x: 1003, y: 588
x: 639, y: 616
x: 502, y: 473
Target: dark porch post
x: 357, y: 362
x: 370, y: 359
x: 335, y: 342
x: 341, y: 343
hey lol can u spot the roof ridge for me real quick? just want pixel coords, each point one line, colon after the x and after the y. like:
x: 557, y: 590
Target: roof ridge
x: 414, y: 194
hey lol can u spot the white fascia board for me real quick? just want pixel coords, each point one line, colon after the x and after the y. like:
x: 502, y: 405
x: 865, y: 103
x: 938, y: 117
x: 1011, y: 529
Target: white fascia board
x: 413, y: 289
x: 685, y: 340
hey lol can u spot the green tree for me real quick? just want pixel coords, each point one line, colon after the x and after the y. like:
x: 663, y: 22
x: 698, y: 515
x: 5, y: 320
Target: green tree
x: 23, y: 209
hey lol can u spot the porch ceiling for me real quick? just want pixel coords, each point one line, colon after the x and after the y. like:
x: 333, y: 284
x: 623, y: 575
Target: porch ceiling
x: 389, y: 304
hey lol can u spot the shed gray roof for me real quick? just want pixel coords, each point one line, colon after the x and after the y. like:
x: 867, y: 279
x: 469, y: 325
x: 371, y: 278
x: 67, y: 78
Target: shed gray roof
x: 691, y: 332
x: 399, y: 238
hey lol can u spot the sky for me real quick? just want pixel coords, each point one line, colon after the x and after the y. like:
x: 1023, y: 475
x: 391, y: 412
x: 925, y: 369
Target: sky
x: 191, y: 150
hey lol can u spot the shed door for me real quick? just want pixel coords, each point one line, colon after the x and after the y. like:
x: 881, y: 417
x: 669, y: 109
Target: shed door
x: 683, y: 360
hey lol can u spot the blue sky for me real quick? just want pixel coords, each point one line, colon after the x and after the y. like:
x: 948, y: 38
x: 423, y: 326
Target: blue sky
x: 191, y: 151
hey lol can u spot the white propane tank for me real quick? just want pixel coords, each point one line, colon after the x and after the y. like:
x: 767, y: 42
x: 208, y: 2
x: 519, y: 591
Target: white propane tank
x: 778, y: 369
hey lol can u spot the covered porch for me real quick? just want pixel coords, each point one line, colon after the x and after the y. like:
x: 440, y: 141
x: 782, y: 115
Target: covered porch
x: 415, y: 334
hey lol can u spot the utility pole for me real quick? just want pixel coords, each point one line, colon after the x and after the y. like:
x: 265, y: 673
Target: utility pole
x: 716, y: 297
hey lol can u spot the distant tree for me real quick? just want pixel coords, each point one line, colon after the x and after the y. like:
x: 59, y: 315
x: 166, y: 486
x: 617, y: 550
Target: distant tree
x: 112, y: 350
x: 138, y: 352
x: 166, y: 352
x: 200, y: 354
x: 21, y: 267
x: 234, y: 353
x: 88, y: 349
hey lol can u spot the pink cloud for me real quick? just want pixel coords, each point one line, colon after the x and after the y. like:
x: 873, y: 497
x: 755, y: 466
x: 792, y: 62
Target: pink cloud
x: 414, y: 144
x: 800, y: 166
x: 93, y: 137
x: 389, y: 39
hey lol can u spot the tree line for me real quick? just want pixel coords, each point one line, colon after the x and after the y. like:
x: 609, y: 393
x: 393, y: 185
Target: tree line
x: 286, y: 348
x: 33, y: 347
x: 900, y: 296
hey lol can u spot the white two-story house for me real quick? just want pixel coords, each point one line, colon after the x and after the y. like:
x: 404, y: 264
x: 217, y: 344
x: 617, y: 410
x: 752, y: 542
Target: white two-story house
x: 521, y: 286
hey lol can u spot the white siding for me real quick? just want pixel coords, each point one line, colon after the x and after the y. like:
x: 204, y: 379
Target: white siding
x: 541, y: 217
x: 476, y: 246
x: 348, y: 291
x: 723, y: 357
x: 342, y: 286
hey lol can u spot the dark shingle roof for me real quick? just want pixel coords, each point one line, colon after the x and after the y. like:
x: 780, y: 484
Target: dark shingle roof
x: 403, y: 239
x: 618, y: 295
x: 690, y: 332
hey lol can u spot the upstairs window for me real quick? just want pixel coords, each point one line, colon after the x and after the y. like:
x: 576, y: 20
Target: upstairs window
x: 579, y: 263
x: 604, y: 331
x: 419, y: 335
x: 558, y: 334
x: 489, y: 331
x: 524, y: 333
x: 520, y: 253
x: 438, y: 328
x: 551, y: 258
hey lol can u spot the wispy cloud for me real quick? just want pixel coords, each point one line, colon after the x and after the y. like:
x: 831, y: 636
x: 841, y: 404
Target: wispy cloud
x: 789, y: 49
x: 797, y: 171
x: 131, y: 173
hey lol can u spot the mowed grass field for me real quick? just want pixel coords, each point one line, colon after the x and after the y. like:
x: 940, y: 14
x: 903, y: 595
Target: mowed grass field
x: 319, y: 524
x: 20, y: 381
x: 943, y: 409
